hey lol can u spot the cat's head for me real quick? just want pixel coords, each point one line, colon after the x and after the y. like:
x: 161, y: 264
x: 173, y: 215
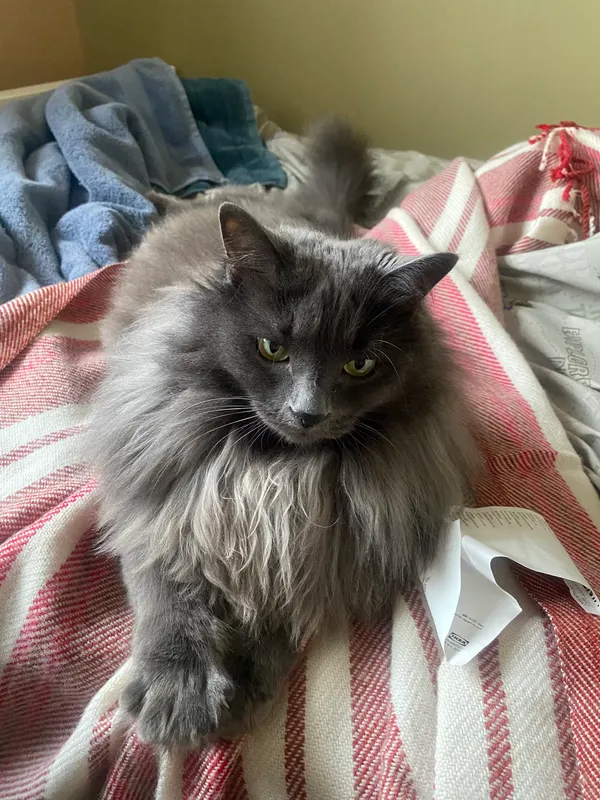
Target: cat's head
x: 318, y: 333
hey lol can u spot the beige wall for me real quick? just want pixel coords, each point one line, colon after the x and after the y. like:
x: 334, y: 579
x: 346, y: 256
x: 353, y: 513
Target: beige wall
x: 39, y: 42
x: 466, y: 77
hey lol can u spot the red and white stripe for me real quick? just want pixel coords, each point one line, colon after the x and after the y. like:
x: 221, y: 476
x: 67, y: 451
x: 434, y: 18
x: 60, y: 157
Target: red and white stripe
x: 373, y: 712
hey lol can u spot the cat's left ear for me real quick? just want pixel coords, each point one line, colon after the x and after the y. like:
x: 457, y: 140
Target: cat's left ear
x: 417, y: 278
x: 247, y: 244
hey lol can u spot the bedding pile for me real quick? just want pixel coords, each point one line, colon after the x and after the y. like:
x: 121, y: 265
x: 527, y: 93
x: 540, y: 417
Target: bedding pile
x: 76, y: 165
x: 373, y: 713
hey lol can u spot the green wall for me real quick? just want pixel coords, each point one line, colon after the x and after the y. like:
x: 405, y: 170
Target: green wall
x: 468, y: 77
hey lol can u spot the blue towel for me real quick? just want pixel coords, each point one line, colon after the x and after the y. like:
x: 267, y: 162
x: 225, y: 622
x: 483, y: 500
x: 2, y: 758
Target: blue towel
x: 76, y: 165
x: 225, y: 117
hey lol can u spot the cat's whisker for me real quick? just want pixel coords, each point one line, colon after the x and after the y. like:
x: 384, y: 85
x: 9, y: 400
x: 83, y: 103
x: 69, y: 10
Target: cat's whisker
x: 180, y: 418
x: 228, y: 425
x: 220, y: 413
x: 214, y: 411
x: 385, y: 355
x: 248, y: 430
x: 366, y: 448
x: 213, y: 405
x: 363, y: 430
x: 395, y: 346
x: 382, y: 436
x: 381, y: 313
x: 400, y: 383
x: 217, y: 400
x: 259, y: 433
x: 263, y: 434
x: 214, y: 408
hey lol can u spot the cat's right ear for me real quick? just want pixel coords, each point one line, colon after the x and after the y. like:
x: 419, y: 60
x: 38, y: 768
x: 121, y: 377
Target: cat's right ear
x: 249, y: 249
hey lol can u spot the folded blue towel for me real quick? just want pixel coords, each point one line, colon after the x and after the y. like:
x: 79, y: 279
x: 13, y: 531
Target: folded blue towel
x: 225, y: 117
x: 76, y: 165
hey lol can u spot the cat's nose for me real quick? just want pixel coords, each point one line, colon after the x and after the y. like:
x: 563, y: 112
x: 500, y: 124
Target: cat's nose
x: 305, y: 419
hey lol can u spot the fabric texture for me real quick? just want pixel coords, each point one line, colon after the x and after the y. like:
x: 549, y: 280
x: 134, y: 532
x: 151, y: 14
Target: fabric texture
x: 552, y: 310
x: 373, y: 712
x: 224, y: 113
x: 76, y: 166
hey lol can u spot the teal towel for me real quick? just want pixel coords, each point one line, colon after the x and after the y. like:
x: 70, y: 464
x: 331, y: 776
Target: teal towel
x: 225, y: 118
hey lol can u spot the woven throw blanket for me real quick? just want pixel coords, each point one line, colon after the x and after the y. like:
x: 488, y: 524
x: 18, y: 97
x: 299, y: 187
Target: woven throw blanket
x: 374, y: 712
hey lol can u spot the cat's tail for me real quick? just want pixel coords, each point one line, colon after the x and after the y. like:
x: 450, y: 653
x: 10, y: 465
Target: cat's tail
x: 339, y: 188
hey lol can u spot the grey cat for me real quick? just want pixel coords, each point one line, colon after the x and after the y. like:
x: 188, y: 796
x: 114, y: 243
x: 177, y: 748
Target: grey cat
x: 279, y: 438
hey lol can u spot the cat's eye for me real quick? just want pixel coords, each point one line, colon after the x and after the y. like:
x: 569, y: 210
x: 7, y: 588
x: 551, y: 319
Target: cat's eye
x: 360, y: 367
x: 273, y: 351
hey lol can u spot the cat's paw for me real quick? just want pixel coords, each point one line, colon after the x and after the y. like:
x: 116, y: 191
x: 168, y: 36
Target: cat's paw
x: 177, y: 705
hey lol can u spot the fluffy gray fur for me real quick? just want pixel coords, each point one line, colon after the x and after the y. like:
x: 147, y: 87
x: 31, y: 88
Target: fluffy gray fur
x: 253, y: 502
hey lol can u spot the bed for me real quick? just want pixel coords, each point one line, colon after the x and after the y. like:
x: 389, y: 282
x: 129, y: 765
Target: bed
x: 374, y: 712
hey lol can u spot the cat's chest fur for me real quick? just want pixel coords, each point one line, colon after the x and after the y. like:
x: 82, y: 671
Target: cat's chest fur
x: 296, y: 539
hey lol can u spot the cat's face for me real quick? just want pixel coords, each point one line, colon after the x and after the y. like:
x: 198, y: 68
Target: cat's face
x: 319, y: 333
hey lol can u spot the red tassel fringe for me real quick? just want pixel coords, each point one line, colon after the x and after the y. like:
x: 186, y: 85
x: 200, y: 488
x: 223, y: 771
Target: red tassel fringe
x: 570, y: 169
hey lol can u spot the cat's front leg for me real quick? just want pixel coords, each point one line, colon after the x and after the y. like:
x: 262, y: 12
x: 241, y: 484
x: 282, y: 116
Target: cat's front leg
x: 180, y: 688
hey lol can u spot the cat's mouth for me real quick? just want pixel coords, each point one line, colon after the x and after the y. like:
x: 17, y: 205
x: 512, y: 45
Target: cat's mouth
x: 295, y: 433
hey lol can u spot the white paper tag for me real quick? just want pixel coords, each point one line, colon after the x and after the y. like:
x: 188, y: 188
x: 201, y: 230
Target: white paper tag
x: 583, y: 595
x: 468, y: 606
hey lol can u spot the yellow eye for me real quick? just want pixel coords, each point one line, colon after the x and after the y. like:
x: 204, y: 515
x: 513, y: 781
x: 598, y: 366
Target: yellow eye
x: 360, y: 367
x: 272, y: 350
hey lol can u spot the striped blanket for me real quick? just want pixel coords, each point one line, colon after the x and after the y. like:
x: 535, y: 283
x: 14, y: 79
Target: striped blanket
x: 373, y: 713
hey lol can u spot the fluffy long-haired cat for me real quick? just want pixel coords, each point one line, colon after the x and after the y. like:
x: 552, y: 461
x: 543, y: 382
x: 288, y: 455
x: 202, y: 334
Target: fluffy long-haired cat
x: 279, y: 438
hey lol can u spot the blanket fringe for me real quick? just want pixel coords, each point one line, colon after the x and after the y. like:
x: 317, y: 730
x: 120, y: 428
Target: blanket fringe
x: 569, y: 168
